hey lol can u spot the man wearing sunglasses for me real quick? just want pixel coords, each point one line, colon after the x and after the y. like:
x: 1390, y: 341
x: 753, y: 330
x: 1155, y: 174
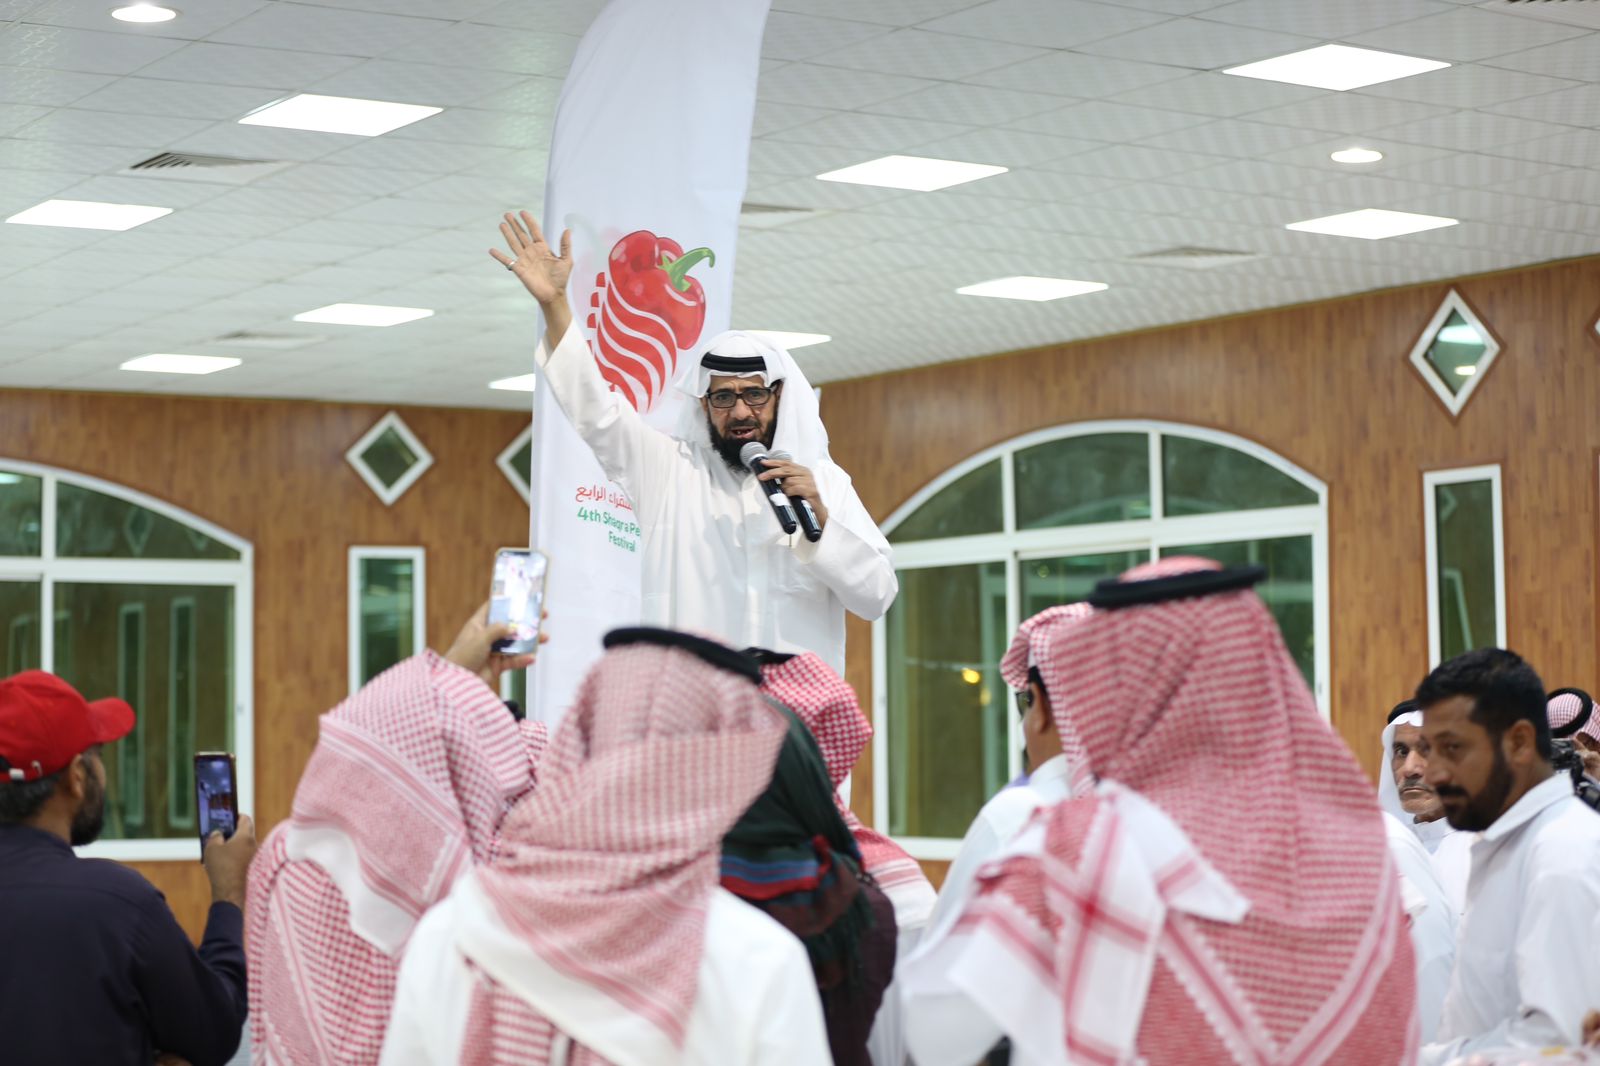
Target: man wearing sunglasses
x: 715, y: 559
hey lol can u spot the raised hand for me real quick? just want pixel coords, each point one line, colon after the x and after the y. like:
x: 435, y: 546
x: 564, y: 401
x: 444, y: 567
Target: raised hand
x: 540, y: 269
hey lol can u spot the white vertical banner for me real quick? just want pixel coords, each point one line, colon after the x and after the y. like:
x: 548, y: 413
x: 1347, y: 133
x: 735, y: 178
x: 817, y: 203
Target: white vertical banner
x: 648, y: 163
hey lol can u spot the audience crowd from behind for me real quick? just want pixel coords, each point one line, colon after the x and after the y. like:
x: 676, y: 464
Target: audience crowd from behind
x: 673, y: 874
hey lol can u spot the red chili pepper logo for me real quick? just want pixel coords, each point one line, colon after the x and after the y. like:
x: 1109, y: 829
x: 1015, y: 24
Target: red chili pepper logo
x: 646, y: 309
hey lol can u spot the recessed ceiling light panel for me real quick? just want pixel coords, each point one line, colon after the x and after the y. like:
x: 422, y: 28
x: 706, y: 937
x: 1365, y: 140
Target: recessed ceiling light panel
x: 1372, y: 224
x: 1356, y: 155
x: 1025, y: 287
x: 338, y: 114
x: 520, y: 383
x: 914, y: 172
x: 145, y: 13
x: 790, y: 341
x: 363, y: 315
x: 1337, y: 66
x: 88, y: 214
x: 180, y: 364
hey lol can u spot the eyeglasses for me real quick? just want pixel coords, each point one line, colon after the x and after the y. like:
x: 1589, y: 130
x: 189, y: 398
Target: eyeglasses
x: 1024, y: 701
x: 723, y: 399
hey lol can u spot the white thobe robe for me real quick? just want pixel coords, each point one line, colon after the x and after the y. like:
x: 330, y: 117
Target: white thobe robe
x: 756, y: 1003
x: 715, y: 560
x: 1432, y: 922
x: 1525, y: 973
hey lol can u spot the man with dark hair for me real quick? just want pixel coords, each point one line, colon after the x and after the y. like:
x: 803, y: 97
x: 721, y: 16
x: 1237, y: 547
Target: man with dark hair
x: 98, y: 970
x: 1524, y: 976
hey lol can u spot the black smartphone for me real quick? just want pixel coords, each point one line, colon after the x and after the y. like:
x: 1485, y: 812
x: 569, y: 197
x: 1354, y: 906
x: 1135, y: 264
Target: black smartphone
x: 216, y: 795
x: 516, y: 595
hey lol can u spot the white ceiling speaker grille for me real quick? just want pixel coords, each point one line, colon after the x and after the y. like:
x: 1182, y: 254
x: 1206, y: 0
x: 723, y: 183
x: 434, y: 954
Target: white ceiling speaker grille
x: 192, y: 166
x: 1191, y: 257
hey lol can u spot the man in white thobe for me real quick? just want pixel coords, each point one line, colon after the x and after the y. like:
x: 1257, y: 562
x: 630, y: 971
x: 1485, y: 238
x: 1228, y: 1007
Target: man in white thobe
x: 1403, y: 793
x: 1525, y: 974
x: 715, y: 558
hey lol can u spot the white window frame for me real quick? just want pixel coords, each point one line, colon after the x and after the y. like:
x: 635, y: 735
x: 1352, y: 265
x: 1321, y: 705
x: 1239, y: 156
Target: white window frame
x: 1431, y: 480
x: 237, y: 574
x: 137, y: 700
x: 503, y: 461
x: 1011, y: 545
x: 389, y: 493
x: 178, y: 785
x: 419, y: 585
x: 1454, y: 402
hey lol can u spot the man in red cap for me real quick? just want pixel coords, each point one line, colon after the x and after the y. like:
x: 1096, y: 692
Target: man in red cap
x: 97, y: 968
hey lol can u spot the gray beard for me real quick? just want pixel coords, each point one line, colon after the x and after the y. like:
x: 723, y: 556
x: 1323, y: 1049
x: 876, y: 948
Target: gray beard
x: 729, y: 449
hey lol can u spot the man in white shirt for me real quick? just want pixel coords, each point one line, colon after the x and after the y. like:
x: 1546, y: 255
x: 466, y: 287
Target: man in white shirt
x: 1525, y: 973
x: 1404, y: 794
x: 1050, y: 770
x: 600, y: 924
x: 715, y: 558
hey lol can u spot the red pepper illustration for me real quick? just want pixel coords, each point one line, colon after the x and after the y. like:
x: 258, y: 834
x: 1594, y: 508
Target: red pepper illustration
x: 646, y: 310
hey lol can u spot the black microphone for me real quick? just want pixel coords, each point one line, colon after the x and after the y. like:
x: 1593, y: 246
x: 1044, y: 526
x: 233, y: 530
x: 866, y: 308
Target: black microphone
x: 752, y: 455
x: 808, y: 518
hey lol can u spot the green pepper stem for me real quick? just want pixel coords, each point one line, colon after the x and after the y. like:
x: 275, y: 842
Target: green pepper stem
x: 678, y: 269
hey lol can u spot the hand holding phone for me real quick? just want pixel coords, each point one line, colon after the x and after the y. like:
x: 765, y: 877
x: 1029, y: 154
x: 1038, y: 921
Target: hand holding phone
x: 516, y: 597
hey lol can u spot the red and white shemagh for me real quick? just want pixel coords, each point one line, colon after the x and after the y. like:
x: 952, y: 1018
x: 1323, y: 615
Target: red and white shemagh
x: 1565, y: 707
x: 405, y: 790
x: 829, y: 707
x: 1031, y: 648
x: 606, y: 872
x: 1191, y: 713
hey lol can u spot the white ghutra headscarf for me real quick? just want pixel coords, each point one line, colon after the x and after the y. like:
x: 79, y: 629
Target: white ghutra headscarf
x: 740, y: 354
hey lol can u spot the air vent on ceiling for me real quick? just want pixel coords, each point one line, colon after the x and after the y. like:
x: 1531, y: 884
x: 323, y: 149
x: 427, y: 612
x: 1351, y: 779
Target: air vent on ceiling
x: 767, y: 216
x: 1193, y: 258
x: 272, y: 341
x: 192, y: 166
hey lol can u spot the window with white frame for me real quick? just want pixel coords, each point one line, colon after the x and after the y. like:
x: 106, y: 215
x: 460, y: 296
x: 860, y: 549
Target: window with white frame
x: 1038, y: 521
x: 1466, y: 561
x: 109, y: 568
x: 388, y: 609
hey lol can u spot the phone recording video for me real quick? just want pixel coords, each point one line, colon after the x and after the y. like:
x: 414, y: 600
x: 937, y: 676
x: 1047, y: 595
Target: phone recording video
x: 517, y: 596
x: 216, y: 790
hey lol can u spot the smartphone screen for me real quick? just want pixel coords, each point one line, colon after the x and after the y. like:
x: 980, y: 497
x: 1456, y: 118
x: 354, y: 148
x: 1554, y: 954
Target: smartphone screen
x: 517, y: 596
x: 216, y: 792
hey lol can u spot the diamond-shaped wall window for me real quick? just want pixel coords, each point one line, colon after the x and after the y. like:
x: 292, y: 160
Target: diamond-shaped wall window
x: 1454, y: 353
x: 516, y: 463
x: 389, y: 458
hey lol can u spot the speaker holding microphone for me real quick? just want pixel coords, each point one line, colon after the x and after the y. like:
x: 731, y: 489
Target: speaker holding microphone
x: 791, y: 514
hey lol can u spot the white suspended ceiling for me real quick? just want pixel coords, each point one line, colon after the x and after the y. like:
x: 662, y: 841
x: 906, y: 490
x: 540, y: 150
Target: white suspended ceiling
x: 1121, y: 138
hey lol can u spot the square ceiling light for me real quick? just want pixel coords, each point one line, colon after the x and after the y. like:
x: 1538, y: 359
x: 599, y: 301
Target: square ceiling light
x: 1372, y: 224
x: 790, y: 341
x: 166, y: 363
x: 338, y: 114
x: 363, y: 315
x: 1024, y: 287
x: 520, y: 383
x: 1337, y: 66
x: 88, y: 214
x: 914, y: 172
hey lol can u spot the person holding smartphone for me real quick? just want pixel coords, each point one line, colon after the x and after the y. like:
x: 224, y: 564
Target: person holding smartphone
x: 97, y: 969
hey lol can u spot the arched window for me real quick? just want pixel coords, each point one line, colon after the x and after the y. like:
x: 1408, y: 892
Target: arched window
x: 124, y: 595
x: 1038, y: 521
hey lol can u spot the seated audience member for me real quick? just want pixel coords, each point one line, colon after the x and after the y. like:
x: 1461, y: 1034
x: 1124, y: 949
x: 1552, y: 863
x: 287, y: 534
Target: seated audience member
x: 1161, y: 918
x: 828, y: 707
x: 405, y: 792
x: 1051, y: 764
x: 792, y: 856
x: 599, y: 934
x: 97, y: 970
x: 1404, y: 794
x: 1525, y: 973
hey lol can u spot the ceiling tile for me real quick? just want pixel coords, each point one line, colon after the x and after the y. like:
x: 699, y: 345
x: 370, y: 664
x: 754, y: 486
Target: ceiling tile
x: 433, y: 213
x: 399, y: 154
x: 228, y: 64
x: 1577, y: 186
x: 1468, y: 85
x: 305, y: 28
x: 73, y: 126
x: 1134, y: 162
x: 537, y: 96
x: 1199, y: 45
x: 1234, y: 137
x: 178, y: 99
x: 469, y: 45
x: 1210, y: 93
x: 439, y: 9
x: 51, y: 88
x: 1578, y: 106
x: 416, y: 83
x: 1044, y: 23
x: 1395, y: 154
x: 81, y: 50
x: 1470, y: 131
x: 772, y: 117
x: 263, y: 142
x: 195, y: 22
x: 817, y: 86
x: 1466, y: 34
x: 1349, y: 113
x: 975, y: 104
x: 1574, y: 148
x: 325, y: 177
x: 1008, y: 148
x: 155, y: 191
x: 1332, y: 21
x: 1471, y: 170
x: 917, y: 53
x: 293, y: 203
x: 553, y: 16
x: 871, y: 134
x: 460, y: 125
x: 886, y: 12
x: 793, y: 36
x: 1075, y: 74
x: 1104, y: 121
